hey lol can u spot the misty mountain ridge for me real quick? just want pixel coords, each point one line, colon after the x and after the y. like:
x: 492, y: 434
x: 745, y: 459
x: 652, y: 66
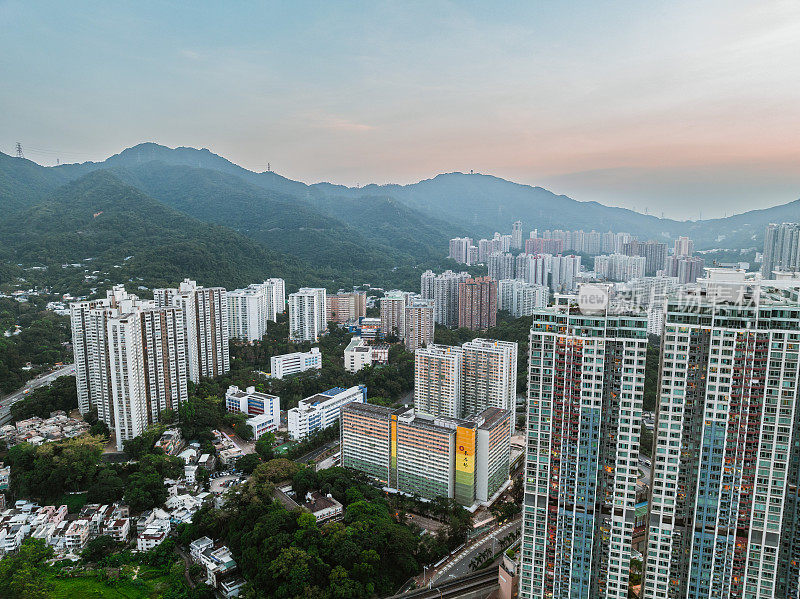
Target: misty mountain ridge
x: 446, y: 205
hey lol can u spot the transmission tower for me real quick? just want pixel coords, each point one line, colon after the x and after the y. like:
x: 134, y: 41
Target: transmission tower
x: 19, y: 150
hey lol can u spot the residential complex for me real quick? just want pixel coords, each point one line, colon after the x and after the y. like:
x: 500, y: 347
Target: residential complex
x: 322, y: 410
x: 459, y: 382
x: 418, y: 324
x: 393, y: 313
x: 437, y: 380
x: 477, y: 303
x: 443, y: 290
x: 619, y: 267
x: 248, y: 313
x: 130, y: 360
x: 307, y: 315
x: 464, y: 459
x: 489, y: 376
x: 687, y: 269
x: 655, y: 254
x: 205, y: 324
x: 346, y: 307
x: 781, y: 249
x: 724, y: 507
x: 521, y: 298
x: 276, y: 297
x: 264, y: 409
x: 585, y: 390
x: 294, y: 363
x: 459, y: 249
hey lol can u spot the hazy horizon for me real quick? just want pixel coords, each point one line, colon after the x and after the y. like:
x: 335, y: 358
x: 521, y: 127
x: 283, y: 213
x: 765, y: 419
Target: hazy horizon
x: 677, y: 108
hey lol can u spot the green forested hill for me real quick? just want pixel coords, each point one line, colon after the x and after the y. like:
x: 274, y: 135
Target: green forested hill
x: 125, y: 232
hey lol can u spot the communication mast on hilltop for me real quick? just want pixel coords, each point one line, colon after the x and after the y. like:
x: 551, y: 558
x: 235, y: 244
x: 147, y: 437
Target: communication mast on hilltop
x: 19, y: 150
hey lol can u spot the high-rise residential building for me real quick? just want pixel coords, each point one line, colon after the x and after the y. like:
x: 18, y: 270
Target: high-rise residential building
x: 320, y: 411
x: 521, y: 298
x: 248, y: 313
x: 276, y: 297
x: 322, y: 300
x: 306, y: 312
x: 205, y: 317
x: 472, y: 255
x: 535, y: 245
x: 443, y: 289
x: 781, y: 249
x: 477, y: 303
x: 489, y: 376
x: 346, y: 306
x: 619, y: 267
x: 393, y: 313
x: 516, y: 235
x: 564, y: 272
x: 502, y: 266
x: 437, y: 380
x: 687, y: 269
x: 459, y: 249
x: 295, y: 363
x: 655, y: 254
x: 130, y: 360
x: 418, y: 323
x: 683, y: 246
x: 464, y: 459
x: 484, y: 249
x: 427, y: 284
x: 585, y: 390
x: 538, y: 272
x: 724, y: 507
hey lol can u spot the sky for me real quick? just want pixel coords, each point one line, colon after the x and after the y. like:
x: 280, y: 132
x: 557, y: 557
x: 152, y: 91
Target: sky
x: 686, y: 109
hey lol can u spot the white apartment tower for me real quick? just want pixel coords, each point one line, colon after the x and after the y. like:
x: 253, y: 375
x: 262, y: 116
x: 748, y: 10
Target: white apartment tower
x: 130, y: 360
x: 248, y: 313
x: 516, y: 235
x: 723, y: 518
x: 437, y: 380
x: 205, y: 316
x: 276, y: 297
x: 305, y: 309
x: 322, y: 302
x: 489, y: 377
x: 585, y: 390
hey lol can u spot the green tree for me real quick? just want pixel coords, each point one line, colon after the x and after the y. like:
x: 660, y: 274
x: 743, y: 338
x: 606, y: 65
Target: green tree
x: 247, y: 463
x: 264, y: 446
x: 22, y: 573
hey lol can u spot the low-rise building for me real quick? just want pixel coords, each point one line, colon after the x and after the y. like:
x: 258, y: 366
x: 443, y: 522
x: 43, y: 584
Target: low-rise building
x: 5, y: 475
x: 77, y: 535
x: 322, y: 410
x: 265, y: 408
x: 295, y: 363
x: 323, y: 507
x: 171, y: 441
x: 155, y: 534
x: 357, y: 355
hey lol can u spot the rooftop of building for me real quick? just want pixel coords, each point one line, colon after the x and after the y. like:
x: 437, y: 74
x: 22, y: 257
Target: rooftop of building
x: 316, y: 502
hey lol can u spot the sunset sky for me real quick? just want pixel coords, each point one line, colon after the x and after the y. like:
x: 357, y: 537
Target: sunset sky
x: 674, y: 107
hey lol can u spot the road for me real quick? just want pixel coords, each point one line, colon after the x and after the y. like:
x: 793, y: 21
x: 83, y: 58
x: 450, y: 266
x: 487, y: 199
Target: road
x: 459, y: 565
x: 475, y: 585
x: 313, y: 455
x: 39, y: 381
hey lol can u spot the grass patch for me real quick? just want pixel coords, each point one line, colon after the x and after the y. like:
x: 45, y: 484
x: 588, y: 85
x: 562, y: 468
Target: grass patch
x: 73, y: 501
x: 283, y: 448
x: 148, y: 585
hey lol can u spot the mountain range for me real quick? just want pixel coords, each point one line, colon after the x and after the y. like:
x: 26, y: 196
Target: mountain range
x: 184, y: 211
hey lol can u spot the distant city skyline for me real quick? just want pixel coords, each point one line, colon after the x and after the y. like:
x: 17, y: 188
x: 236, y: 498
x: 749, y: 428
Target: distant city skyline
x: 673, y: 109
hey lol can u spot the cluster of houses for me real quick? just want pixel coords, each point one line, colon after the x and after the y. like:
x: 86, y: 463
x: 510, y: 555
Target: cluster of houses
x: 220, y: 567
x: 36, y: 430
x: 66, y: 533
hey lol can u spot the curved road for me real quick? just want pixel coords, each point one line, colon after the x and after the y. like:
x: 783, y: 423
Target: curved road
x: 40, y: 381
x: 459, y: 565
